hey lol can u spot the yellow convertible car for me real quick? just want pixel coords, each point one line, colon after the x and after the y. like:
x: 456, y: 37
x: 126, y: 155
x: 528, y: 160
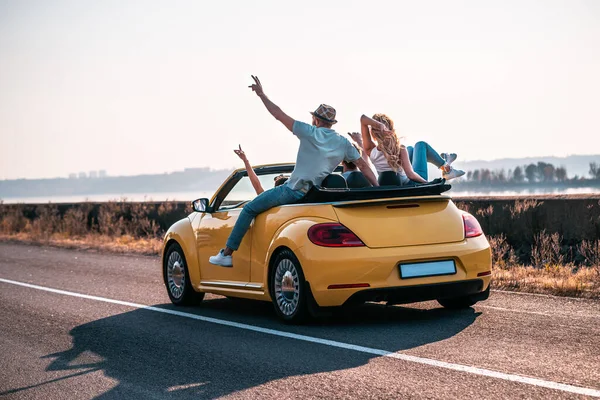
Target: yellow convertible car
x: 344, y: 243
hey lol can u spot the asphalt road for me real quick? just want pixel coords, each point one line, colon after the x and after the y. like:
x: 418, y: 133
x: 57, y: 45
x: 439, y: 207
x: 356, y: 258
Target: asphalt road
x: 64, y: 345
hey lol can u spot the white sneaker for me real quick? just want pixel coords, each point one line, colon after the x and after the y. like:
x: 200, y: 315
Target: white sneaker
x: 222, y: 260
x: 454, y: 173
x: 449, y: 157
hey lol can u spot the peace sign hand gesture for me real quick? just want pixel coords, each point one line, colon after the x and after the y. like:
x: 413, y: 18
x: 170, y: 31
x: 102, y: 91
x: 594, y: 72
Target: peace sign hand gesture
x: 240, y: 153
x: 257, y: 86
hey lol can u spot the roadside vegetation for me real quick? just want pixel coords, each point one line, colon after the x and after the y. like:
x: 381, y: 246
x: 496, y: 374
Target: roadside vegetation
x: 547, y: 245
x: 543, y: 244
x: 116, y: 226
x: 548, y: 271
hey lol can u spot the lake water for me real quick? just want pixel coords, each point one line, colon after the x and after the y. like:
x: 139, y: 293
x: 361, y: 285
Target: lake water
x: 157, y: 196
x: 189, y: 196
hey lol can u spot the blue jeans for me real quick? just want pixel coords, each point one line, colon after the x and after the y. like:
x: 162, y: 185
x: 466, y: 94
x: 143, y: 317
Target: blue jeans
x: 420, y: 155
x: 268, y: 199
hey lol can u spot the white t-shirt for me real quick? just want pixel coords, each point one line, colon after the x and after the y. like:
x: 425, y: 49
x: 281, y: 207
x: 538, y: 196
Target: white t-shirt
x: 321, y: 150
x: 381, y: 165
x: 379, y: 161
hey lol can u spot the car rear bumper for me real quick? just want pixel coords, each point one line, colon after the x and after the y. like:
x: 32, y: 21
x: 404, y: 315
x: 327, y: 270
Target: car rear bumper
x: 329, y: 270
x: 412, y: 294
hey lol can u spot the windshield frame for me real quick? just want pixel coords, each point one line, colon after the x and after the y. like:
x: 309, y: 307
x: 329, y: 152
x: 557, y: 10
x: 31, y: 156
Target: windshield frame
x: 237, y: 175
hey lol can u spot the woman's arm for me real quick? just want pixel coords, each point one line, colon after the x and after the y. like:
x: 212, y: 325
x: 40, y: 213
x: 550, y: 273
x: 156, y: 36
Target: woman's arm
x: 367, y: 139
x: 407, y: 166
x: 251, y: 174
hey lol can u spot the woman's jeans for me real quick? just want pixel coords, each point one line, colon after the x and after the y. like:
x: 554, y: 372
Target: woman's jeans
x: 420, y: 155
x: 268, y: 199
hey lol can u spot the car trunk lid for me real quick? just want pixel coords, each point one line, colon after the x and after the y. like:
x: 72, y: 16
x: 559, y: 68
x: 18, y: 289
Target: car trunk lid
x: 402, y: 222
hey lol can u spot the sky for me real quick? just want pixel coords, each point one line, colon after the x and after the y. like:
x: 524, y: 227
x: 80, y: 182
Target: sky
x: 141, y: 87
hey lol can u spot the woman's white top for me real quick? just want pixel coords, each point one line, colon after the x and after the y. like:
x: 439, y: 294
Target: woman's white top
x: 379, y: 161
x: 381, y: 165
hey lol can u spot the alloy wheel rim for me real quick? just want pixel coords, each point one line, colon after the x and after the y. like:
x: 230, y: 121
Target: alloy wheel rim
x: 176, y: 274
x: 287, y: 287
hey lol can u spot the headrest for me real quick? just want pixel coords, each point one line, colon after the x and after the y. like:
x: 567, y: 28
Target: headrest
x: 334, y: 181
x: 356, y: 179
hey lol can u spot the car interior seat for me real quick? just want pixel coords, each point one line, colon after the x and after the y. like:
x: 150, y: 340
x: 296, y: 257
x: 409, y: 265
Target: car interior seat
x: 334, y: 181
x: 388, y: 178
x: 356, y: 180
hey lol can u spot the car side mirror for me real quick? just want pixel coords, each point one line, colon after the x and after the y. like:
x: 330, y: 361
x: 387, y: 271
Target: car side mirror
x: 200, y: 205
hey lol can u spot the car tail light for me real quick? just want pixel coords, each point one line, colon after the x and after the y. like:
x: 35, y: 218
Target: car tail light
x: 333, y: 235
x: 472, y: 227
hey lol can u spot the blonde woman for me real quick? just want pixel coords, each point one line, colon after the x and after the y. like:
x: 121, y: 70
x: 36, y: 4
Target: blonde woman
x: 382, y: 146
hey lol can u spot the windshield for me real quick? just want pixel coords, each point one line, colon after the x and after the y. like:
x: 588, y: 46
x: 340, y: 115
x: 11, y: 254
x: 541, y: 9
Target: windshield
x: 243, y: 191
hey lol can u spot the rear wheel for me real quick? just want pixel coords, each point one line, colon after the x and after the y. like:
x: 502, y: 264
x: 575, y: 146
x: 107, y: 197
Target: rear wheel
x: 177, y: 278
x: 288, y: 288
x: 455, y: 303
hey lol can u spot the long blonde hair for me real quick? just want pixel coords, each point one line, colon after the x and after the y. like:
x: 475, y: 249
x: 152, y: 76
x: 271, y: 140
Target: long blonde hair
x: 388, y: 144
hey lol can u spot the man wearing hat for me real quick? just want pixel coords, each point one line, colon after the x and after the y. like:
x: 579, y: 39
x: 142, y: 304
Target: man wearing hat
x: 321, y: 150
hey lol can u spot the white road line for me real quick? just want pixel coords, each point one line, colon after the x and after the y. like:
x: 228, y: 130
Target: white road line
x: 332, y: 343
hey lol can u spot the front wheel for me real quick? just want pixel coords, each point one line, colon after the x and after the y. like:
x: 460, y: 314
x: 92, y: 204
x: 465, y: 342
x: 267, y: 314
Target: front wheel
x: 288, y: 288
x: 177, y: 278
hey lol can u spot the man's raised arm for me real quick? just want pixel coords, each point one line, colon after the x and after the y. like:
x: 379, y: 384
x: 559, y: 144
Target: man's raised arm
x: 272, y: 107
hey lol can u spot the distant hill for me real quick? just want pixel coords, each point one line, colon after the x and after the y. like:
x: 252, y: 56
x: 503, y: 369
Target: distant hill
x: 191, y: 179
x: 575, y: 165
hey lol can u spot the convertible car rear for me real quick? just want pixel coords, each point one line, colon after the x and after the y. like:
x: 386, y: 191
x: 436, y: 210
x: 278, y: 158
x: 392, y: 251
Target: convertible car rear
x: 338, y: 246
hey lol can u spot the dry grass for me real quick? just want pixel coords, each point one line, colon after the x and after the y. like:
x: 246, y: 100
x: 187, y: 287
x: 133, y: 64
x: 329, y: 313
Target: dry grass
x: 115, y: 226
x: 123, y: 244
x: 560, y: 280
x: 546, y: 250
x: 549, y: 274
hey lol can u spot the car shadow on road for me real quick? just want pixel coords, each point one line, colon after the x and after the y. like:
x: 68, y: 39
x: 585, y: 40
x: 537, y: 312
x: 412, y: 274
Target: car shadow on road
x: 372, y: 324
x: 155, y: 355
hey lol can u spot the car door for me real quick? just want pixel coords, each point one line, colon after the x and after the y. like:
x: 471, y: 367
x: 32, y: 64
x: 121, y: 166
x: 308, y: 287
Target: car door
x: 212, y: 233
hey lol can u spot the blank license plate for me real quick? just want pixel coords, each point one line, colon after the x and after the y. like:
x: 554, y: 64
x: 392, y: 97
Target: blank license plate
x: 431, y: 268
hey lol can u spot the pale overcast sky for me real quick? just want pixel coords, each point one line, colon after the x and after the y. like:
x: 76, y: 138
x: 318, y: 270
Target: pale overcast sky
x: 151, y: 86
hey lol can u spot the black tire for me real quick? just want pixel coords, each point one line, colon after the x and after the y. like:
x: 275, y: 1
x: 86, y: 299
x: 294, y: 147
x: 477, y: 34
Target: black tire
x: 456, y: 303
x: 178, y: 284
x: 290, y: 305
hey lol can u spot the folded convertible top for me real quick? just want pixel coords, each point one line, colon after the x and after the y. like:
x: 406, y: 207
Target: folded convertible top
x: 320, y: 194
